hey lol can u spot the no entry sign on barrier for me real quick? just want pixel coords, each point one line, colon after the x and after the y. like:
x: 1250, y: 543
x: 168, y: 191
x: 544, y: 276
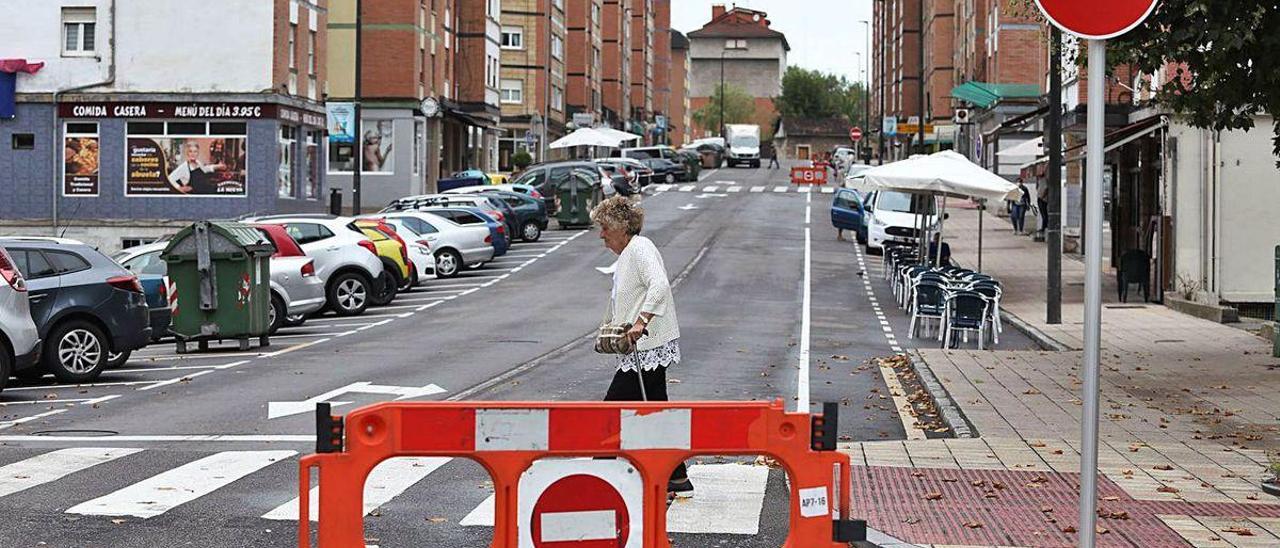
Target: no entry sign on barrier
x: 579, y: 503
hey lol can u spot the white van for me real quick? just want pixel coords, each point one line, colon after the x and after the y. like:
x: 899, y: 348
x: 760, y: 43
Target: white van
x: 894, y: 218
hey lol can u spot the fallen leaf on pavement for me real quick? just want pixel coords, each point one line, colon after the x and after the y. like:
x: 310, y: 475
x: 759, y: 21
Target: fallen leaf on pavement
x: 1242, y: 531
x: 973, y: 525
x: 911, y: 521
x: 1068, y: 529
x: 1046, y: 509
x: 933, y: 496
x: 436, y: 520
x: 1166, y: 489
x: 1162, y: 467
x: 1101, y: 530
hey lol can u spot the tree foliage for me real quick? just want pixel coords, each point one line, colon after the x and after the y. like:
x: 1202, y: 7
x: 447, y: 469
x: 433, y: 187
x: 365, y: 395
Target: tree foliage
x: 739, y: 107
x: 1219, y: 55
x: 815, y: 94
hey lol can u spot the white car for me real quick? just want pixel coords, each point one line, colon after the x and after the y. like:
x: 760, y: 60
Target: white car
x: 345, y: 259
x: 894, y: 218
x: 19, y: 338
x: 452, y: 246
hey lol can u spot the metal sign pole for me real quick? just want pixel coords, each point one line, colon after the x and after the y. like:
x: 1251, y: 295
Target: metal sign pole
x: 1092, y: 294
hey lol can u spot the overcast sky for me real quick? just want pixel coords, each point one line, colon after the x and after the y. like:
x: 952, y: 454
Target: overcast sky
x: 824, y: 34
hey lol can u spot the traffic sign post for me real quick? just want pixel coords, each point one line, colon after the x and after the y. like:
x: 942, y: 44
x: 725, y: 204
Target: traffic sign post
x: 855, y: 134
x: 1095, y: 21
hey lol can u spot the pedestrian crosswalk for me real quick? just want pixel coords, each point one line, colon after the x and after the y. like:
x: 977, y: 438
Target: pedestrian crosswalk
x: 119, y: 482
x: 736, y: 188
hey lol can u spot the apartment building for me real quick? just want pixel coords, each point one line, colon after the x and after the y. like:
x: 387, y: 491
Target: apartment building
x: 108, y: 109
x: 585, y: 52
x: 616, y: 74
x: 752, y: 56
x: 663, y: 88
x: 681, y: 115
x: 533, y: 77
x: 473, y: 113
x: 643, y: 23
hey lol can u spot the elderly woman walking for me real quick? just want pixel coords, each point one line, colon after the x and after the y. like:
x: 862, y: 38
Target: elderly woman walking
x: 641, y: 302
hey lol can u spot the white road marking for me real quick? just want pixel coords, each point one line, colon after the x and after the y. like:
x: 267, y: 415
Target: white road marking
x: 54, y: 465
x: 804, y: 189
x: 779, y: 189
x: 828, y: 190
x: 295, y: 348
x: 711, y: 189
x: 37, y: 416
x: 888, y: 374
x: 277, y: 409
x: 661, y: 188
x: 802, y: 382
x: 307, y: 335
x: 49, y: 401
x: 385, y: 482
x: 757, y: 189
x: 168, y: 490
x: 481, y: 515
x: 175, y: 380
x: 729, y: 500
x: 686, y: 188
x: 734, y: 189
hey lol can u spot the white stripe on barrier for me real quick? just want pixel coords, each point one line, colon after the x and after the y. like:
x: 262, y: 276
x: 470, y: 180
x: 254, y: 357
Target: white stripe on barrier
x: 576, y: 526
x: 512, y: 429
x: 54, y: 465
x: 662, y: 429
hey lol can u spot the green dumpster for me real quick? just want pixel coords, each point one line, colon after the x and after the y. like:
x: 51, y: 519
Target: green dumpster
x: 578, y: 195
x: 221, y: 283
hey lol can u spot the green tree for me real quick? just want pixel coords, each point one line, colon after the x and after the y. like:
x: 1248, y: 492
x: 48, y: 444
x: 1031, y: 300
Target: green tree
x: 739, y: 107
x: 1226, y: 69
x: 815, y: 94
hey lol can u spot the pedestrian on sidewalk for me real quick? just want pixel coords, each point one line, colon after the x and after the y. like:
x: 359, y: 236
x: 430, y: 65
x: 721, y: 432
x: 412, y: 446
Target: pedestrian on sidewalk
x: 1019, y: 213
x: 772, y: 153
x: 1042, y: 200
x: 641, y: 296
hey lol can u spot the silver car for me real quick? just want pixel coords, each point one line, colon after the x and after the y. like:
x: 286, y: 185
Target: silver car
x: 346, y: 260
x: 296, y: 290
x: 454, y: 246
x: 19, y: 338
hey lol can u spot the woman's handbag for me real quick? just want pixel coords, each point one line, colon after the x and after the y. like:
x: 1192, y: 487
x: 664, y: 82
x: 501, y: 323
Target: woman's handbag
x: 613, y: 339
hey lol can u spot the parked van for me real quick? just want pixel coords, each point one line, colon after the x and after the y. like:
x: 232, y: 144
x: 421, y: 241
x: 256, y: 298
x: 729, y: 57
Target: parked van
x: 894, y: 218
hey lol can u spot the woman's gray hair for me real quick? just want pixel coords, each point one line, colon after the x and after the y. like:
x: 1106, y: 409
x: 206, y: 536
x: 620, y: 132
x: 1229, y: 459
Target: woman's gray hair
x: 619, y: 212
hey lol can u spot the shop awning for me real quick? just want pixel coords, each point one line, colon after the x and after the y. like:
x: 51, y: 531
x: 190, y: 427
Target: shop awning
x: 1114, y: 139
x: 984, y: 95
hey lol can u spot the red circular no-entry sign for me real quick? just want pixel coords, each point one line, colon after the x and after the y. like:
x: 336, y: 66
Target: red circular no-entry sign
x: 855, y: 134
x: 580, y: 511
x: 1097, y: 19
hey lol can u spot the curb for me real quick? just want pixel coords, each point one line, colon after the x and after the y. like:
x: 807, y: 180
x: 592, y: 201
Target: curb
x: 941, y: 399
x: 1044, y: 341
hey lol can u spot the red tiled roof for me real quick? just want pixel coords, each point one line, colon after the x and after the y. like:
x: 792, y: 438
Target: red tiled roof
x: 740, y: 23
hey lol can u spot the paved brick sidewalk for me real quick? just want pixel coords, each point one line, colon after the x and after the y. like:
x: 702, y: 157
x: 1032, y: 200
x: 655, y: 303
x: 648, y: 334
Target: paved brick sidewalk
x: 1189, y: 415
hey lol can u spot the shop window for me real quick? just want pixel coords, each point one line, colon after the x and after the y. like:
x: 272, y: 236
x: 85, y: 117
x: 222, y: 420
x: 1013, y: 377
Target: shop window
x: 227, y: 128
x: 342, y: 156
x: 284, y: 175
x: 24, y: 141
x: 180, y: 158
x: 82, y: 128
x: 313, y: 164
x: 418, y: 152
x: 146, y: 128
x: 187, y: 128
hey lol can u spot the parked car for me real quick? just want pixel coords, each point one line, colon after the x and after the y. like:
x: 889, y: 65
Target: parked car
x: 665, y: 170
x: 469, y: 177
x: 19, y: 336
x: 545, y: 178
x: 530, y: 213
x: 522, y: 189
x: 894, y: 218
x: 645, y: 153
x: 713, y: 146
x: 454, y: 246
x: 692, y: 164
x: 847, y: 212
x: 346, y: 259
x: 492, y: 206
x: 641, y: 174
x: 394, y: 252
x: 144, y: 262
x: 84, y: 305
x: 470, y: 216
x: 297, y: 291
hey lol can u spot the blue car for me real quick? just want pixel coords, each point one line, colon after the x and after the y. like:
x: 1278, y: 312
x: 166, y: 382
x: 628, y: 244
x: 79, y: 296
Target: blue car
x: 847, y: 212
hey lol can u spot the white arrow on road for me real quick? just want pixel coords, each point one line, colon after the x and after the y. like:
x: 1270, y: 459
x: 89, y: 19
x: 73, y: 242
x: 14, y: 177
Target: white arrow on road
x: 688, y: 207
x: 711, y: 195
x: 277, y: 409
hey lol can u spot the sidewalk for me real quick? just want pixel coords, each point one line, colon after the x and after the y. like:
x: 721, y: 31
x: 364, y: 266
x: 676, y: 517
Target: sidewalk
x: 1190, y: 410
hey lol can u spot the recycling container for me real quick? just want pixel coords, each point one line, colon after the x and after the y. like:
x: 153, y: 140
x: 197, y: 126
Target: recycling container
x: 221, y: 283
x: 577, y: 197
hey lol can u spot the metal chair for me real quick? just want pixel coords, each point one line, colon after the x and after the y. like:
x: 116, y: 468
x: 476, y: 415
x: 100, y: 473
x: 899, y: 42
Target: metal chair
x: 992, y: 293
x: 966, y: 311
x: 928, y: 303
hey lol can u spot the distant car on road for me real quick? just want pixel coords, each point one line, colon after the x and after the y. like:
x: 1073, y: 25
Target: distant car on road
x: 665, y: 170
x: 345, y: 258
x: 529, y: 206
x: 847, y: 212
x: 84, y: 304
x: 19, y: 337
x: 297, y: 290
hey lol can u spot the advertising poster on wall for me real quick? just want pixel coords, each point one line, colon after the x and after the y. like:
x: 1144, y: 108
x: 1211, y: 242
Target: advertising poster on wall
x: 80, y: 157
x: 341, y: 122
x: 185, y: 166
x: 378, y: 139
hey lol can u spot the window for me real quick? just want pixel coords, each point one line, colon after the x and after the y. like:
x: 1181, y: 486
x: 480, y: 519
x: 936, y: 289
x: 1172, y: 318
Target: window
x: 512, y: 91
x: 147, y: 263
x: 512, y: 37
x: 735, y: 44
x: 293, y: 47
x: 79, y: 31
x: 313, y: 164
x: 32, y: 264
x: 557, y: 98
x: 311, y: 52
x: 305, y: 233
x: 24, y: 141
x: 67, y: 262
x: 284, y: 174
x: 557, y: 47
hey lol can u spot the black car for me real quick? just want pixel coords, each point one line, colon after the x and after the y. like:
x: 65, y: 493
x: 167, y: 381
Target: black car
x: 665, y: 170
x: 530, y: 213
x: 84, y: 305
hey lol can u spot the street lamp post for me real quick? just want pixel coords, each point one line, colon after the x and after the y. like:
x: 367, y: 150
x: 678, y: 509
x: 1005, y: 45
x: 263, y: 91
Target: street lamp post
x: 359, y: 133
x: 866, y: 93
x: 883, y: 74
x: 920, y: 87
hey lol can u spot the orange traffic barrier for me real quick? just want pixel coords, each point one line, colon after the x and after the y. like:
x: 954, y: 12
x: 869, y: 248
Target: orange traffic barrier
x: 807, y: 175
x: 508, y: 437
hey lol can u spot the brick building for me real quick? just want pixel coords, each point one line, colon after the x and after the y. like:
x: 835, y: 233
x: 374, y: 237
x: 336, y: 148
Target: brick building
x: 533, y: 78
x: 642, y: 59
x: 681, y: 115
x: 616, y: 77
x: 664, y: 93
x: 753, y: 57
x: 895, y: 83
x: 585, y: 65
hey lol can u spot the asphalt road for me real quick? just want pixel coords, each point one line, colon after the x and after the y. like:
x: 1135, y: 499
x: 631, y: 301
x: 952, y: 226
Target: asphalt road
x: 201, y: 449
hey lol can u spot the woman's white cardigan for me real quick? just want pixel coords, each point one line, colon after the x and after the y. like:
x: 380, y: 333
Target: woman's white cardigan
x: 640, y: 285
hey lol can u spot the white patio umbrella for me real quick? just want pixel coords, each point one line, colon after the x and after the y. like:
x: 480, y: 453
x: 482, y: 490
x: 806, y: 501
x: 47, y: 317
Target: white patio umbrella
x: 585, y: 137
x: 621, y: 136
x: 945, y: 173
